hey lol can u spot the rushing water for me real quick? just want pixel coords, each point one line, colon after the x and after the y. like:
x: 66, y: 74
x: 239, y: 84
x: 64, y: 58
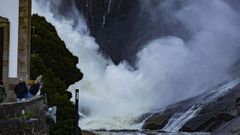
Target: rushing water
x: 146, y: 133
x: 169, y: 69
x: 179, y: 119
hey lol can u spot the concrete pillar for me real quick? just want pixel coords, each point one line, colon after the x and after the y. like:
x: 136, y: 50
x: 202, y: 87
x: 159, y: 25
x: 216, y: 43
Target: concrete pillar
x: 5, y: 25
x: 24, y: 39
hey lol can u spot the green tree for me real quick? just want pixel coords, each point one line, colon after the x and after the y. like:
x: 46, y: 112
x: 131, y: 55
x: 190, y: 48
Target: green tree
x: 50, y: 57
x: 48, y: 45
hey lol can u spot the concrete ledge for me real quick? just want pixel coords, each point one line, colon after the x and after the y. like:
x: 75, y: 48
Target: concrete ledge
x: 24, y: 118
x: 33, y: 126
x: 14, y: 109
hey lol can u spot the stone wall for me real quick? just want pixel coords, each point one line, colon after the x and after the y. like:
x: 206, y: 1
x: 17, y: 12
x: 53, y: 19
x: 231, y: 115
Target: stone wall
x: 23, y: 118
x: 13, y: 109
x: 24, y: 127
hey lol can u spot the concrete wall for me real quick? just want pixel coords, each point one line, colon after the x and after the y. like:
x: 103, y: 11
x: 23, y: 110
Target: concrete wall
x: 25, y: 118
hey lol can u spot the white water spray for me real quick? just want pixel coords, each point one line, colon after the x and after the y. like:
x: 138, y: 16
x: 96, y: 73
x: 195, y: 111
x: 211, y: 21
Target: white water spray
x: 176, y: 122
x: 179, y: 119
x: 169, y: 69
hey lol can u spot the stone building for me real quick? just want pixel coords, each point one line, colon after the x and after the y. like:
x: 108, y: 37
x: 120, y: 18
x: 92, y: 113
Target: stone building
x: 23, y: 45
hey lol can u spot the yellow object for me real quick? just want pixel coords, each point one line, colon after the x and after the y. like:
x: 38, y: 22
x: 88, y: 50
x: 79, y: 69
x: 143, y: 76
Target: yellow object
x: 30, y: 82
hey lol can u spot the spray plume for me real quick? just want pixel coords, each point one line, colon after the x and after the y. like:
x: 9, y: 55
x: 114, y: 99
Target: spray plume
x: 169, y: 69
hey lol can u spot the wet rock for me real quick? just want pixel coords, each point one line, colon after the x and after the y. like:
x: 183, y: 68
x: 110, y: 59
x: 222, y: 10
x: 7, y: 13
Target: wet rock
x: 213, y: 114
x: 118, y: 25
x: 142, y: 117
x: 129, y: 132
x: 216, y: 113
x: 206, y: 122
x: 156, y: 122
x: 230, y: 128
x: 85, y: 132
x: 195, y: 123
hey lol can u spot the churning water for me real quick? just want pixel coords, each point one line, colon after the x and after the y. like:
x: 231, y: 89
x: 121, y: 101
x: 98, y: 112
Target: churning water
x: 169, y: 69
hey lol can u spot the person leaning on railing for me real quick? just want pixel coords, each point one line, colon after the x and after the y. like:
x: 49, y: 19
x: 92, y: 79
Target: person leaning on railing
x: 2, y: 92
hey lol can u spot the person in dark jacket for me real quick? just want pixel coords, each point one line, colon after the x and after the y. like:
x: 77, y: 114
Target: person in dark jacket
x: 33, y: 90
x: 2, y: 92
x: 21, y: 90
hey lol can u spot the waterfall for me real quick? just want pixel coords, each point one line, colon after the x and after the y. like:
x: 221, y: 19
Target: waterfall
x: 179, y: 119
x: 176, y: 122
x: 168, y: 69
x: 109, y: 6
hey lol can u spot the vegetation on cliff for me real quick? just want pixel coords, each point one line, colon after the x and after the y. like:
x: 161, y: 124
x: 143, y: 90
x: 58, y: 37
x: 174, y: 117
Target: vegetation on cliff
x: 50, y: 57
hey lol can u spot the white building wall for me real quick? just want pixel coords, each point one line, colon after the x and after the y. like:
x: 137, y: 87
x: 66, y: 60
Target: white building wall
x: 10, y: 10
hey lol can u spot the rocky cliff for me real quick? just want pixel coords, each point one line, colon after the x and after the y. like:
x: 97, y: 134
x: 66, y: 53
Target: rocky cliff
x: 215, y: 116
x: 122, y: 27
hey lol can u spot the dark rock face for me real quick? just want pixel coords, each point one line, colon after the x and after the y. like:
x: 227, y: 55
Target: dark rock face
x: 157, y: 121
x: 123, y: 27
x: 112, y: 24
x: 209, y: 119
x: 207, y: 122
x: 230, y: 128
x: 215, y: 114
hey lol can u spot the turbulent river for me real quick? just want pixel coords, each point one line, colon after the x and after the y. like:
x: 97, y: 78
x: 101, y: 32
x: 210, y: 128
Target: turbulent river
x: 167, y: 69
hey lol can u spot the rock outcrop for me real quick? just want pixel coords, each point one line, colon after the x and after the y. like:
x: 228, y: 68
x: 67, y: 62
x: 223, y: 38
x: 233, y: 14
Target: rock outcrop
x: 213, y: 117
x: 216, y: 113
x: 230, y: 128
x: 157, y: 121
x: 123, y: 27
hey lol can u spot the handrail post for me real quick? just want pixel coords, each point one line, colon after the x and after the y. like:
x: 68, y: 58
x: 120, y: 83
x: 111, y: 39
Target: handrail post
x: 45, y: 98
x: 77, y: 128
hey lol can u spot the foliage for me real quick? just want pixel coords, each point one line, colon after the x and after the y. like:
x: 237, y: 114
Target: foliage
x: 47, y: 44
x: 50, y: 58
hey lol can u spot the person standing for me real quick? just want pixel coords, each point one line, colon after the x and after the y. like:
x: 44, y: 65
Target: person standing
x: 2, y: 92
x: 21, y: 91
x: 35, y: 88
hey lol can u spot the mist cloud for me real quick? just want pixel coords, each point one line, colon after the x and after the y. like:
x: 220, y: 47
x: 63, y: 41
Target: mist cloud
x: 179, y: 69
x: 169, y: 69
